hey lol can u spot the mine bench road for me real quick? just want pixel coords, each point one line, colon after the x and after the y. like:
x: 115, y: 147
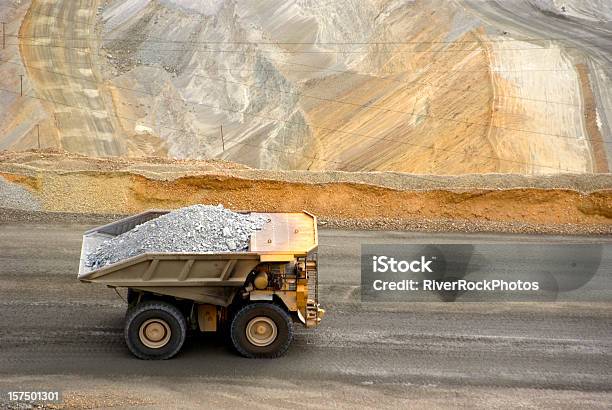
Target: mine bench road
x: 53, y: 325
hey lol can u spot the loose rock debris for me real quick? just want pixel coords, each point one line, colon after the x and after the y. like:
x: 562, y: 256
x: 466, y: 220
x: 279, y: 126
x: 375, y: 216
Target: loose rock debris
x: 16, y: 197
x: 197, y: 229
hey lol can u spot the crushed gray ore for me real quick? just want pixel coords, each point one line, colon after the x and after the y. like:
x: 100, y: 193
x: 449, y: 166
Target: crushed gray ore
x: 197, y: 229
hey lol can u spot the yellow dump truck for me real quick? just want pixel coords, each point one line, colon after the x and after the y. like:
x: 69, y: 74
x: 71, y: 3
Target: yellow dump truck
x: 255, y: 296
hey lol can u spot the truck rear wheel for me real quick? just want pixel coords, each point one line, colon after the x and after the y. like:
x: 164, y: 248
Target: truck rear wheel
x: 155, y: 330
x: 261, y: 330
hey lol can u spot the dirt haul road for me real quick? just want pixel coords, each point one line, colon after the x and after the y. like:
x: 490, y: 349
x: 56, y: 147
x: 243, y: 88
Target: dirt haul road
x: 67, y: 79
x: 59, y: 333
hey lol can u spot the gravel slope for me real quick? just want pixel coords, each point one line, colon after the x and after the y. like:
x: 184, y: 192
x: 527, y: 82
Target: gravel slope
x: 510, y: 203
x: 16, y: 197
x: 31, y: 162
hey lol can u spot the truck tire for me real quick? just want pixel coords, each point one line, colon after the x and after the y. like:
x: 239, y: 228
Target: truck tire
x: 261, y: 330
x: 155, y: 330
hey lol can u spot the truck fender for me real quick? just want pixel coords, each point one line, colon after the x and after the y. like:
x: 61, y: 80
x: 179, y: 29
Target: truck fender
x: 287, y: 298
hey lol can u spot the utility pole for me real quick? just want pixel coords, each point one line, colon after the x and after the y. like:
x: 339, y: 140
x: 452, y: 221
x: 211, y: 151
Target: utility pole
x: 222, y: 139
x: 21, y: 81
x: 3, y: 35
x: 38, y: 135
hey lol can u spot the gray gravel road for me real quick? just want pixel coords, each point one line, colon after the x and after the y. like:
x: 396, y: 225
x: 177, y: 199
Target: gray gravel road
x: 58, y: 333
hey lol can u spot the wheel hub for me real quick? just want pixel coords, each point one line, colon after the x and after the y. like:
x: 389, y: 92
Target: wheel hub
x: 154, y: 333
x: 261, y: 331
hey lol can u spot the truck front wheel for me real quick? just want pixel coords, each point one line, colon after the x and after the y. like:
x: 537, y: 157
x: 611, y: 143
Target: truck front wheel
x: 261, y: 330
x: 155, y: 330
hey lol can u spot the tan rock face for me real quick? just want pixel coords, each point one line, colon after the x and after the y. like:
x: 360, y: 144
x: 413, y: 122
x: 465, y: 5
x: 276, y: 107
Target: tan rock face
x: 423, y: 87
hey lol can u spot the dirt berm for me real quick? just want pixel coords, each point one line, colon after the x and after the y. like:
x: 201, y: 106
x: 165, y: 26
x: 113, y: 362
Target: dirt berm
x: 493, y: 202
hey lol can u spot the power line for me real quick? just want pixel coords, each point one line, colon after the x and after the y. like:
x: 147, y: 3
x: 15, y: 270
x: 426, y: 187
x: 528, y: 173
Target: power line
x: 158, y: 40
x: 329, y: 100
x: 429, y: 84
x: 161, y: 40
x: 292, y: 153
x: 88, y: 50
x: 384, y: 108
x: 401, y: 73
x: 488, y: 70
x: 319, y: 127
x: 282, y: 51
x: 341, y: 163
x: 135, y: 120
x: 318, y: 69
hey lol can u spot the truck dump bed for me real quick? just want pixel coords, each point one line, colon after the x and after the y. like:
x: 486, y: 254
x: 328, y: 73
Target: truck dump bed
x: 202, y: 277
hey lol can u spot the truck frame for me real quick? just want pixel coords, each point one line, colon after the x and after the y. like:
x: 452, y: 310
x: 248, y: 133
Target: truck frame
x: 254, y: 297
